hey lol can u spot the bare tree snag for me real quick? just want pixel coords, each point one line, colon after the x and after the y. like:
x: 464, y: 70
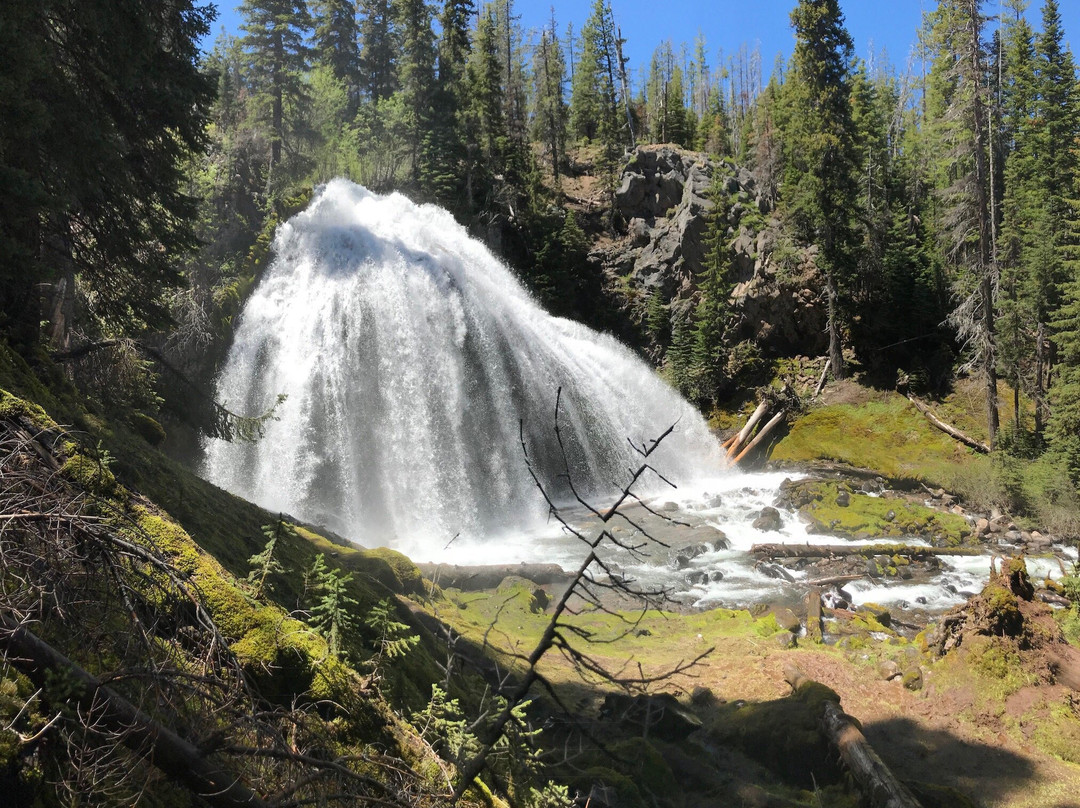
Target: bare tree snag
x: 951, y: 431
x: 876, y: 781
x: 744, y: 433
x: 760, y: 436
x: 564, y: 636
x: 179, y: 759
x: 821, y: 381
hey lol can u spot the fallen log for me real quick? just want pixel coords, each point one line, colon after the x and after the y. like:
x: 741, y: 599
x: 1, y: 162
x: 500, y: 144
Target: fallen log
x: 178, y: 758
x: 744, y: 433
x: 835, y: 579
x: 876, y: 781
x: 760, y: 436
x: 826, y: 550
x: 951, y: 431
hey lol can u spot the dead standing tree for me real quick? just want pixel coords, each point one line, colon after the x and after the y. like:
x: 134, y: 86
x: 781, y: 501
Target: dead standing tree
x: 561, y: 634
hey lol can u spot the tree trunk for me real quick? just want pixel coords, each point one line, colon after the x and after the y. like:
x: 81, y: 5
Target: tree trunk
x: 836, y: 354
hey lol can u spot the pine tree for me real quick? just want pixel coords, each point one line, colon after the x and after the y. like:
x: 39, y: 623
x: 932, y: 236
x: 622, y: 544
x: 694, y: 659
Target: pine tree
x: 416, y: 80
x: 379, y: 49
x: 820, y: 182
x: 101, y: 105
x: 1055, y: 169
x: 274, y: 35
x: 335, y: 41
x: 550, y: 112
x: 1018, y: 97
x: 959, y: 131
x: 332, y: 612
x: 265, y: 564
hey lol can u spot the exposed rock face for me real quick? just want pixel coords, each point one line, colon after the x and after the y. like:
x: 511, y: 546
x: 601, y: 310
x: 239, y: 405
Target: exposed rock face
x: 664, y: 200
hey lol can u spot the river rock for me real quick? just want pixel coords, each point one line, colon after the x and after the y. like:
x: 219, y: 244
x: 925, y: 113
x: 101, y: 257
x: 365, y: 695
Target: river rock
x: 768, y: 520
x: 843, y: 499
x: 889, y: 670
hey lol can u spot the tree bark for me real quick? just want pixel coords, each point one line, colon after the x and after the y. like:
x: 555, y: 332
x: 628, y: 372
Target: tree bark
x: 760, y: 436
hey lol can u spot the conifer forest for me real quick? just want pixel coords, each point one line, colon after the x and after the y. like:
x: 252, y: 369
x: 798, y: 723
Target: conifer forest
x: 336, y: 357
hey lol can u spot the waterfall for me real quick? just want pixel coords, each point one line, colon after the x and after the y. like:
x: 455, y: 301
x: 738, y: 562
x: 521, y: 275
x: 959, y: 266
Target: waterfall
x: 414, y: 361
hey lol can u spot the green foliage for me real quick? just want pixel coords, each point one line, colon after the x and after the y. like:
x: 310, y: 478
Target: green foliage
x: 89, y: 186
x: 265, y: 564
x: 392, y: 638
x: 332, y: 605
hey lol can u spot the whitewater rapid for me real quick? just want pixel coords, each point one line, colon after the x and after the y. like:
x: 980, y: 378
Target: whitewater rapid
x: 414, y: 362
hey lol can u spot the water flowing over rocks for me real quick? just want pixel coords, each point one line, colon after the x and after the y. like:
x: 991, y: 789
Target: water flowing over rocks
x: 415, y: 365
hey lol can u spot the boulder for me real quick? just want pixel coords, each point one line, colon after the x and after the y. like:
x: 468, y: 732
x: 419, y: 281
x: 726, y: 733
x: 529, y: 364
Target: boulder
x: 768, y: 519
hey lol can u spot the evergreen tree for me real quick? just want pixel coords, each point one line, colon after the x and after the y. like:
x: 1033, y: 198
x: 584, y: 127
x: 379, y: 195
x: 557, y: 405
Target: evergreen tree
x: 820, y: 182
x: 1063, y: 428
x: 1018, y: 97
x: 274, y: 35
x: 335, y: 42
x: 378, y: 49
x: 1055, y: 168
x: 101, y: 104
x: 550, y: 112
x: 416, y: 79
x: 959, y: 133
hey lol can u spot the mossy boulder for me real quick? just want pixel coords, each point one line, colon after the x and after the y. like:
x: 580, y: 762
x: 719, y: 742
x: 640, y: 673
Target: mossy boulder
x: 820, y: 503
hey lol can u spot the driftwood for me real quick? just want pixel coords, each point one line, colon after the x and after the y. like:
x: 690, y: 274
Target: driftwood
x: 760, y: 436
x: 821, y: 381
x: 179, y: 759
x: 835, y: 579
x: 951, y: 431
x: 744, y: 433
x: 876, y: 781
x: 826, y: 550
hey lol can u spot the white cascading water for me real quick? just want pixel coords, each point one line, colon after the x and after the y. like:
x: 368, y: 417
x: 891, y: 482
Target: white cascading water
x: 410, y: 355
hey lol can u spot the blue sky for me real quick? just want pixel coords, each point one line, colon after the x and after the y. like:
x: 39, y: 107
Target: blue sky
x: 728, y: 24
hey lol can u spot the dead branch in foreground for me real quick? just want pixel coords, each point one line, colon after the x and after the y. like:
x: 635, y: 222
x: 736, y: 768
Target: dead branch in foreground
x: 563, y: 635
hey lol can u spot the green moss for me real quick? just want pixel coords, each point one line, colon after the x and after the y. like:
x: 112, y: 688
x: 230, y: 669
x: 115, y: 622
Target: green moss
x: 147, y: 428
x: 996, y: 659
x: 867, y: 517
x: 767, y: 626
x: 889, y: 436
x: 1003, y: 609
x: 90, y: 474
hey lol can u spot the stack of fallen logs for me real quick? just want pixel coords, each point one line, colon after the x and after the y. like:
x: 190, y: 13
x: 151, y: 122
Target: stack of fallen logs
x: 743, y: 442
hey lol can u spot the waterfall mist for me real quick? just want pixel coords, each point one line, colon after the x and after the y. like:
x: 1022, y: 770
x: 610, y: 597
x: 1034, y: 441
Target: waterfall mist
x: 410, y: 355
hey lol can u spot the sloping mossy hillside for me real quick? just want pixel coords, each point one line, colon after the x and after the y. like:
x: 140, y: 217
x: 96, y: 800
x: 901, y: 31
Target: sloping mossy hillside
x: 887, y: 435
x: 224, y: 527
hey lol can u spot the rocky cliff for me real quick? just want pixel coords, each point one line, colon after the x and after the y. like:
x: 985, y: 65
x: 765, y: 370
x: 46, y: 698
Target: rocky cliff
x: 672, y: 202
